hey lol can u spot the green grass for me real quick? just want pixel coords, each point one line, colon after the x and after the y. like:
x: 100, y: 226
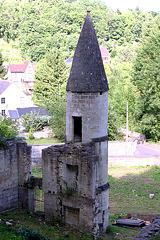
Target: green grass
x: 51, y: 230
x: 54, y: 230
x: 130, y: 188
x: 37, y: 172
x: 42, y: 141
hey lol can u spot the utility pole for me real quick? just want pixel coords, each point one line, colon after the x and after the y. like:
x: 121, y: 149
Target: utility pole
x: 127, y: 123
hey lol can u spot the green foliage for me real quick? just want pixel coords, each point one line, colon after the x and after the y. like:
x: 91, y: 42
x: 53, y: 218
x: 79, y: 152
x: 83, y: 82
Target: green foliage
x: 40, y: 25
x: 56, y: 107
x: 146, y: 77
x: 7, y: 233
x: 2, y: 68
x: 31, y: 234
x: 9, y: 19
x: 37, y: 172
x: 121, y: 91
x: 70, y: 190
x: 30, y: 134
x: 8, y: 127
x: 113, y: 125
x: 50, y: 82
x: 3, y: 142
x: 33, y: 122
x: 50, y: 76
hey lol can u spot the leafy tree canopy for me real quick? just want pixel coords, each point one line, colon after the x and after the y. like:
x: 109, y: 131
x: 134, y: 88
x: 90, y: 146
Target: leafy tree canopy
x: 49, y: 90
x: 146, y: 77
x: 50, y: 76
x: 2, y: 68
x: 42, y: 25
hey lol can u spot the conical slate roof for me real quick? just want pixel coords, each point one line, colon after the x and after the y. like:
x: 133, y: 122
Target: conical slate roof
x: 87, y: 72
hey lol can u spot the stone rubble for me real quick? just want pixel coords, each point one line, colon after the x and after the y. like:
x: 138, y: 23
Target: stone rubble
x: 152, y: 230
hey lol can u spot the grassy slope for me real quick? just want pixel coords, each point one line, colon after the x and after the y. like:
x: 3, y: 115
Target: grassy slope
x: 130, y: 189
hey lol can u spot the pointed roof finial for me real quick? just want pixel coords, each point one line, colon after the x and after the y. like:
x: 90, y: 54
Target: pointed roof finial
x: 87, y: 73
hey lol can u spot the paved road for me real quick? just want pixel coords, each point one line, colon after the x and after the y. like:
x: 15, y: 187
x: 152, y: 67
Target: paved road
x: 145, y: 150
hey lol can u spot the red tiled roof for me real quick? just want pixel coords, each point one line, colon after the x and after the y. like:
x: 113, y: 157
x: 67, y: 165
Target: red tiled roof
x: 17, y: 67
x: 20, y: 67
x: 104, y: 51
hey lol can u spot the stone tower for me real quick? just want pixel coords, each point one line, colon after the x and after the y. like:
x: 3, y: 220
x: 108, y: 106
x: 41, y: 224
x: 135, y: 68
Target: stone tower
x: 87, y: 90
x: 75, y: 175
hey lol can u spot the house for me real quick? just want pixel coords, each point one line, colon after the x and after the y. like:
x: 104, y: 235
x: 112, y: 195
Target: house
x: 12, y: 97
x: 22, y: 74
x: 18, y: 112
x: 105, y: 55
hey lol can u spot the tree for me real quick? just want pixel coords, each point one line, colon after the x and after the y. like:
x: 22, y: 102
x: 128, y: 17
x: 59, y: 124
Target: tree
x: 114, y: 124
x: 50, y: 75
x: 50, y: 82
x: 121, y: 90
x: 56, y: 108
x: 2, y: 68
x: 146, y: 77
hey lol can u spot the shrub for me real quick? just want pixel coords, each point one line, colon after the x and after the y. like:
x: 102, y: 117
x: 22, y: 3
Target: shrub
x: 33, y: 121
x: 30, y: 234
x: 30, y: 134
x: 8, y: 127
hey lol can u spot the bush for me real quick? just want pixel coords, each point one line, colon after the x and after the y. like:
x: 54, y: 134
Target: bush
x: 8, y: 127
x: 30, y: 234
x: 30, y: 134
x: 33, y: 121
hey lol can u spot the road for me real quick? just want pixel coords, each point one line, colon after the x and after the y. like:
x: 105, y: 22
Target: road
x: 147, y: 150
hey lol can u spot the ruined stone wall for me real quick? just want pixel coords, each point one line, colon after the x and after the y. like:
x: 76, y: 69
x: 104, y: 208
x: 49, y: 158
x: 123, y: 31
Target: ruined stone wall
x: 15, y: 163
x: 93, y: 108
x: 8, y: 178
x: 73, y: 187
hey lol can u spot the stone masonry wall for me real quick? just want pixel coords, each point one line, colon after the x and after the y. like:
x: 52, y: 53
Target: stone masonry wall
x: 8, y: 178
x: 93, y: 108
x: 15, y: 165
x: 73, y: 187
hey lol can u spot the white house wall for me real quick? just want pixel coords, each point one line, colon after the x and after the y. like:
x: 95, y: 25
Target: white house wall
x: 14, y: 98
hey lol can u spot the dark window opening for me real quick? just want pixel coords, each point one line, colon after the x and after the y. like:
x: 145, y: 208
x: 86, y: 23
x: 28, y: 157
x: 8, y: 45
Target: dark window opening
x: 3, y: 112
x: 100, y: 93
x: 2, y: 100
x: 77, y: 121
